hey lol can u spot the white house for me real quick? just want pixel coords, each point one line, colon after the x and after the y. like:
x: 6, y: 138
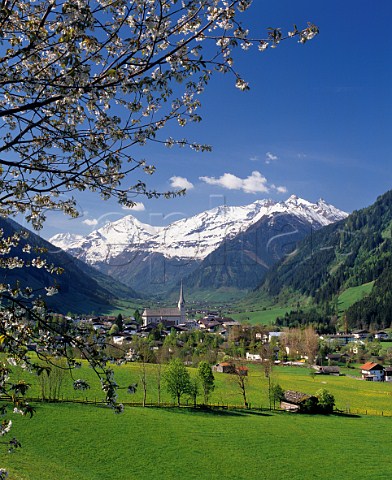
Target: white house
x: 253, y: 356
x: 372, y: 371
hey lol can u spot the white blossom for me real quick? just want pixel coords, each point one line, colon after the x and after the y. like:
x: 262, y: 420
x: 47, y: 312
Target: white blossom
x: 241, y: 84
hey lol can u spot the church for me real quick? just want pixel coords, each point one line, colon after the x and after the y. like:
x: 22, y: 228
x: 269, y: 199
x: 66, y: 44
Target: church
x: 169, y: 317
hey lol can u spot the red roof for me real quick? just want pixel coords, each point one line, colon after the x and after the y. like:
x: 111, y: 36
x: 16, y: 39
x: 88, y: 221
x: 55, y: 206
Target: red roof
x: 371, y: 366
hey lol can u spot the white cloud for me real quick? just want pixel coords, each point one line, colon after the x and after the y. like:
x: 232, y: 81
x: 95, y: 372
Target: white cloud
x: 270, y: 157
x: 181, y: 182
x: 281, y: 189
x: 254, y: 158
x: 254, y: 183
x: 138, y: 207
x: 91, y: 222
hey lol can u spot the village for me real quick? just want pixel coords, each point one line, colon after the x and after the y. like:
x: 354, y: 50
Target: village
x: 224, y: 342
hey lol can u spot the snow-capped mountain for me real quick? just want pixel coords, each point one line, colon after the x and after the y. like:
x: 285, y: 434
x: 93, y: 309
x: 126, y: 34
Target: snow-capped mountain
x: 190, y: 238
x: 106, y: 243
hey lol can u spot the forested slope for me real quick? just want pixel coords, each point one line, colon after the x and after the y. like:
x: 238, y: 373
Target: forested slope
x: 349, y: 253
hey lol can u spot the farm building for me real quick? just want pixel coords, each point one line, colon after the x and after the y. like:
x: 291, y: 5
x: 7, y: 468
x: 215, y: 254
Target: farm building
x: 224, y: 367
x: 297, y: 401
x: 253, y: 356
x: 381, y: 335
x: 327, y: 370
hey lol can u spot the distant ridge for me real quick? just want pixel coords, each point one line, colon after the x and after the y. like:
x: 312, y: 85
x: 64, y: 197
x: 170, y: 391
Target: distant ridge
x: 152, y: 259
x: 82, y: 289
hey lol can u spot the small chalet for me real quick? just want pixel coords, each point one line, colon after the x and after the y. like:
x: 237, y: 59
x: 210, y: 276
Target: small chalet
x: 333, y: 358
x: 381, y: 335
x: 224, y: 367
x: 372, y: 372
x: 388, y: 374
x: 296, y: 401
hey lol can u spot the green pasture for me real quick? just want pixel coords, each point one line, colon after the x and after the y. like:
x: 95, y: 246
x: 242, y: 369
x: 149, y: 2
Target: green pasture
x: 263, y: 317
x: 352, y: 295
x: 385, y: 346
x: 350, y: 393
x: 80, y: 442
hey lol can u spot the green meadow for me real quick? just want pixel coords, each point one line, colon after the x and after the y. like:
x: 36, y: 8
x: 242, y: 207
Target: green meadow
x: 81, y: 442
x: 351, y: 394
x: 353, y: 294
x: 71, y: 441
x: 262, y: 317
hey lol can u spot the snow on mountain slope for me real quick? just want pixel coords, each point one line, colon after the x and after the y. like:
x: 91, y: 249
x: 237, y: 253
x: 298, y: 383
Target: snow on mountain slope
x: 64, y: 240
x: 107, y: 242
x: 193, y: 237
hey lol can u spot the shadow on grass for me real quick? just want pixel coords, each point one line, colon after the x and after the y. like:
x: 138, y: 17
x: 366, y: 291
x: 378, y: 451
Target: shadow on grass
x: 215, y: 411
x: 346, y: 415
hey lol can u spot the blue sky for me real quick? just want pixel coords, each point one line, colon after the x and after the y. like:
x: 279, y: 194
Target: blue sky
x: 316, y: 122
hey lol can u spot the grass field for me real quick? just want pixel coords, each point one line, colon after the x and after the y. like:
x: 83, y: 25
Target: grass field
x: 264, y: 317
x: 73, y: 441
x: 352, y: 295
x: 78, y: 442
x: 350, y: 393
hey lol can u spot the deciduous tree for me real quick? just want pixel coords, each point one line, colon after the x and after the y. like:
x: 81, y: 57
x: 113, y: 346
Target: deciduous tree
x: 207, y: 379
x: 326, y: 401
x: 241, y: 379
x: 178, y: 380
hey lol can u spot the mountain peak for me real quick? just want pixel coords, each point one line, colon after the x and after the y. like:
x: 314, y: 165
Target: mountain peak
x: 190, y: 238
x: 292, y: 198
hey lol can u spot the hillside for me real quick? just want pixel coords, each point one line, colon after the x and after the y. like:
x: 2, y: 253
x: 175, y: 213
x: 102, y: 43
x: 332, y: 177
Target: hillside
x: 243, y: 261
x: 349, y: 253
x: 82, y: 289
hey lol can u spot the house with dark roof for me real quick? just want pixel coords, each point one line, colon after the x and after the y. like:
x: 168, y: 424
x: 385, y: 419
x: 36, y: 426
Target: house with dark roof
x: 388, y: 374
x: 293, y: 401
x: 327, y: 370
x: 381, y: 335
x: 224, y: 367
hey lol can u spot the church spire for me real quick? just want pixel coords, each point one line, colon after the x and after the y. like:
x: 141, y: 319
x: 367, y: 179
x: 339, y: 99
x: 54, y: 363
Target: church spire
x: 181, y: 300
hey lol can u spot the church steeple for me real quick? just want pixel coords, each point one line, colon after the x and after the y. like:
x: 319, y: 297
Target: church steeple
x: 181, y: 304
x: 181, y: 301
